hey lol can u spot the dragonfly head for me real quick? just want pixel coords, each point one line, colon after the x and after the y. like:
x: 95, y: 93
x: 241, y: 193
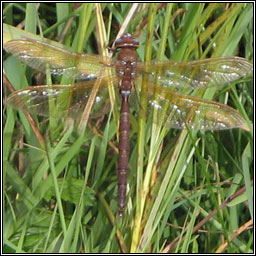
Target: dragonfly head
x: 126, y: 41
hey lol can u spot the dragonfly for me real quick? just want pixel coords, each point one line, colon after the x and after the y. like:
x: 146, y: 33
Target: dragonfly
x: 166, y: 83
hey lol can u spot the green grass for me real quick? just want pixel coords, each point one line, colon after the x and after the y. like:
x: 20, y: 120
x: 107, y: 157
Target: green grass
x: 63, y: 197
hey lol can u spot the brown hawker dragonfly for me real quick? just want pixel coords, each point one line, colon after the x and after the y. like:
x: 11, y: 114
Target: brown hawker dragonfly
x: 164, y: 78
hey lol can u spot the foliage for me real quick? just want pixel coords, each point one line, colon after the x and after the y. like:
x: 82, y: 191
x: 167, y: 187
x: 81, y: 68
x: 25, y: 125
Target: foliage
x: 177, y: 178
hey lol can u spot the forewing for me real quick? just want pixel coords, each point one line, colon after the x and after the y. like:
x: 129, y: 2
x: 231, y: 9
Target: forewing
x: 59, y: 61
x: 196, y: 74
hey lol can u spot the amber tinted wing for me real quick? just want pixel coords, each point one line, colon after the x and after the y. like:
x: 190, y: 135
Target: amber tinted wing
x: 196, y: 113
x: 69, y: 100
x: 176, y: 110
x: 40, y: 55
x: 196, y: 74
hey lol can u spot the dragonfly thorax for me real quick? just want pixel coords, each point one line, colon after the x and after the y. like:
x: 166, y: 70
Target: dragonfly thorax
x: 126, y: 63
x: 125, y: 86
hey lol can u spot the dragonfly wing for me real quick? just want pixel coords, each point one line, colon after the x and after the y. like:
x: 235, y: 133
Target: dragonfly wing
x: 197, y: 74
x: 176, y: 110
x: 59, y: 61
x: 61, y: 100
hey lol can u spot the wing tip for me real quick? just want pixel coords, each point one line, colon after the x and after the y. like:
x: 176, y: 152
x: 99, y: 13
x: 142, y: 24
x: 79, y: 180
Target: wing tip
x: 245, y: 127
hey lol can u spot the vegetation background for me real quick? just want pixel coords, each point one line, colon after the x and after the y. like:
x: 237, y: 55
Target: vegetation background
x: 64, y: 199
